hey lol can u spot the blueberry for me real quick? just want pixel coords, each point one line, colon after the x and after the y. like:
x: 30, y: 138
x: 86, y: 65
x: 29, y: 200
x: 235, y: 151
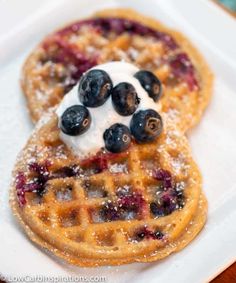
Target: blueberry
x: 158, y: 235
x: 146, y: 125
x: 141, y: 235
x: 117, y: 138
x: 94, y: 88
x: 125, y: 99
x: 109, y: 212
x: 156, y: 210
x: 75, y: 120
x: 150, y: 83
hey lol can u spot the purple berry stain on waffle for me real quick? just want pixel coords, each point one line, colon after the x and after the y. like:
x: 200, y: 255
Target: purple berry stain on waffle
x: 77, y: 62
x: 40, y: 176
x: 100, y: 162
x: 146, y: 233
x: 124, y: 207
x: 65, y: 172
x: 71, y: 57
x: 170, y: 198
x: 36, y: 185
x: 118, y: 26
x: 182, y: 68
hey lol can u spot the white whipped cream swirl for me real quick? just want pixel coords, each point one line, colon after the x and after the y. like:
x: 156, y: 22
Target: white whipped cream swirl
x: 105, y: 115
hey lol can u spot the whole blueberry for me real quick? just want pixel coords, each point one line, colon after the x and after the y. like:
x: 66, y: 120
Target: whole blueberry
x: 75, y: 120
x: 125, y: 99
x: 117, y: 138
x: 146, y: 125
x: 94, y: 88
x: 150, y: 83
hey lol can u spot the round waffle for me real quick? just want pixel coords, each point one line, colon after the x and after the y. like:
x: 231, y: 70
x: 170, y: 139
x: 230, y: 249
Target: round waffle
x: 119, y: 34
x: 136, y: 206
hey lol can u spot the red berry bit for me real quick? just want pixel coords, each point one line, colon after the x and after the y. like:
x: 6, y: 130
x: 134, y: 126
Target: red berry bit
x: 125, y: 208
x: 68, y: 54
x: 77, y: 62
x: 36, y: 184
x: 109, y: 212
x: 38, y: 176
x: 119, y: 26
x: 146, y: 233
x: 183, y: 69
x: 164, y: 176
x: 20, y: 188
x: 170, y: 198
x: 134, y: 202
x: 99, y: 162
x: 71, y: 57
x: 66, y: 172
x: 95, y: 164
x: 41, y: 177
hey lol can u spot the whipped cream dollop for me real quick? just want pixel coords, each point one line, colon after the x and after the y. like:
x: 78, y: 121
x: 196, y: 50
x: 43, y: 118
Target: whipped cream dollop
x: 104, y: 116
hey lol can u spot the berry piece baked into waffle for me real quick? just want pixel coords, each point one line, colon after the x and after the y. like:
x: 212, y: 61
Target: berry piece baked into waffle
x: 58, y: 62
x: 108, y: 191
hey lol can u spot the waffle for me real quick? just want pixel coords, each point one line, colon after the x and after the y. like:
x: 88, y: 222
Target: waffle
x: 97, y: 211
x: 119, y: 34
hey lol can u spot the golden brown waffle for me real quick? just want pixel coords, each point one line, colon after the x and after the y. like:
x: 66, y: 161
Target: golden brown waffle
x: 98, y: 211
x: 119, y: 34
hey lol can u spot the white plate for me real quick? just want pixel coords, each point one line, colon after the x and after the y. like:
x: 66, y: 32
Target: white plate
x: 22, y: 25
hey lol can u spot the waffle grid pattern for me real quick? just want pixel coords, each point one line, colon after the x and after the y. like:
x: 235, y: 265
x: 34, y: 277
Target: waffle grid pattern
x: 67, y: 215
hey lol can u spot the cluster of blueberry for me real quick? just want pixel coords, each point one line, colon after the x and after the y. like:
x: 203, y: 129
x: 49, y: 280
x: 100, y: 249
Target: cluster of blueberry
x: 95, y: 88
